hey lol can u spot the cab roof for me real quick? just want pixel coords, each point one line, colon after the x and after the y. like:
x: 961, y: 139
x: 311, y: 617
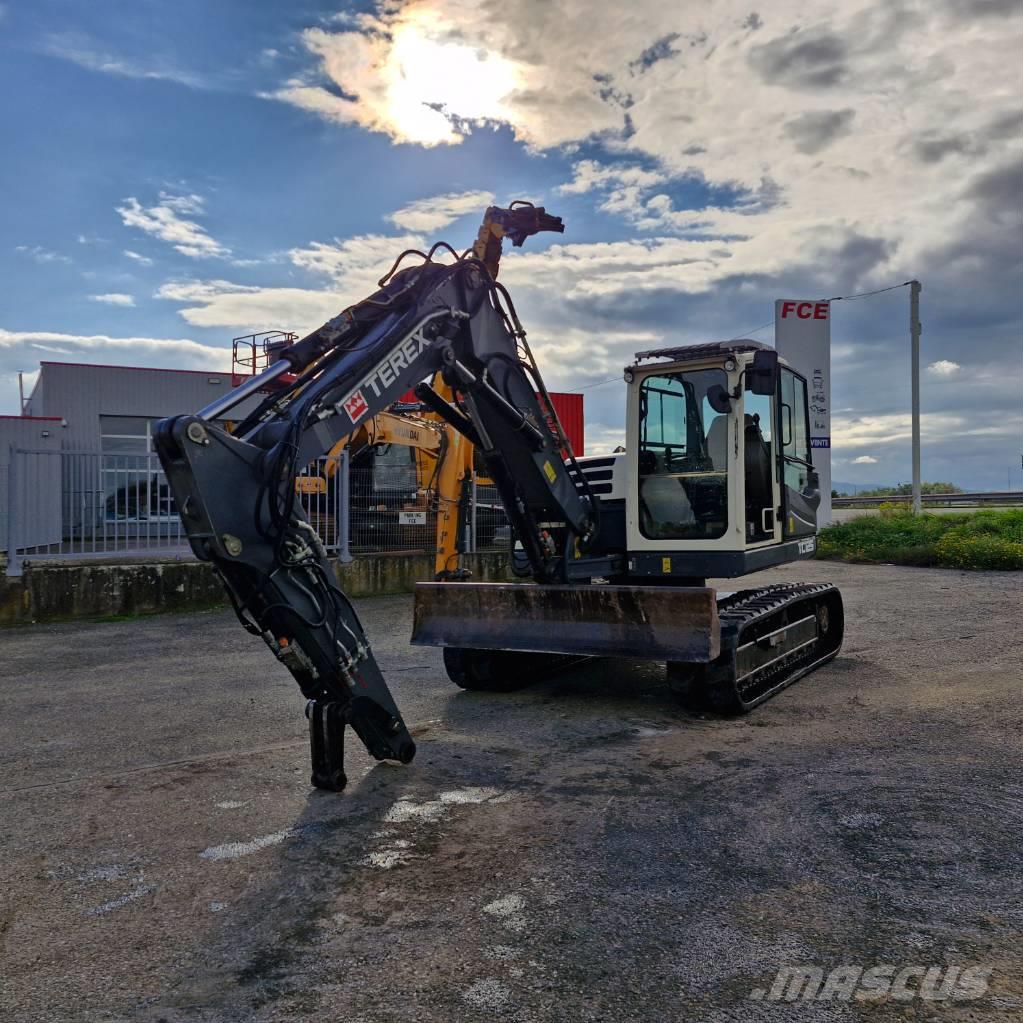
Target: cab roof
x: 711, y: 350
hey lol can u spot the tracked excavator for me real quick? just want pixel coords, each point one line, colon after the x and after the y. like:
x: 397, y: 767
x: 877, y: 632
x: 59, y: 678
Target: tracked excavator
x: 612, y: 553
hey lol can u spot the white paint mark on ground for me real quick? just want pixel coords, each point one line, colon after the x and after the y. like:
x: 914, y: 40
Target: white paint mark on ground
x: 109, y: 907
x: 861, y: 820
x: 472, y: 794
x: 487, y: 994
x: 232, y: 850
x: 407, y: 809
x: 502, y: 953
x: 110, y: 873
x: 231, y: 804
x: 509, y: 910
x: 386, y: 859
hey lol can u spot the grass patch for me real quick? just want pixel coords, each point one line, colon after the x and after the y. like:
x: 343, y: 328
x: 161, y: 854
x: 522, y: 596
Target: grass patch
x: 971, y: 540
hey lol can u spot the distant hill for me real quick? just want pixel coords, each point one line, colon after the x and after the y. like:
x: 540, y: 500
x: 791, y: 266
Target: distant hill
x: 855, y: 488
x: 899, y: 490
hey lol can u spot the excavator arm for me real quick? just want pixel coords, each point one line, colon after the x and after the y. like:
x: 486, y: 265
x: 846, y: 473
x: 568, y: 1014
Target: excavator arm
x: 235, y: 492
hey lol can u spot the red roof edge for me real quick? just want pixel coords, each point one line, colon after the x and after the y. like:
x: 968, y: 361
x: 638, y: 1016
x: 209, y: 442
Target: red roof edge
x: 37, y: 419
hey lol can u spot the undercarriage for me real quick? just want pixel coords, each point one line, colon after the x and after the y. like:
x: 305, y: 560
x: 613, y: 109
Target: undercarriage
x: 768, y: 638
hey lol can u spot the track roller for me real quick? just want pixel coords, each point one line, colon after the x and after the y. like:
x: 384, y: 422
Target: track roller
x: 769, y: 638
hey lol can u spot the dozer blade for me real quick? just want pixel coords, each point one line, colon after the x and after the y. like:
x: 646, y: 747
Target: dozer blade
x: 652, y: 622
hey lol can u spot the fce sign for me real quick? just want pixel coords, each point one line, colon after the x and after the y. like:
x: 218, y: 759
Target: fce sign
x: 805, y: 310
x: 802, y: 335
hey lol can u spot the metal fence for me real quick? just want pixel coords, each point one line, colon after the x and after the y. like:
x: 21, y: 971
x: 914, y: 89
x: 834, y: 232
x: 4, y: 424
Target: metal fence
x: 489, y: 529
x: 84, y: 505
x: 392, y: 507
x: 987, y: 498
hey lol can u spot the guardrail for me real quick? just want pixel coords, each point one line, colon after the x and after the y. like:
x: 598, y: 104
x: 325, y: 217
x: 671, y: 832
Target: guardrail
x: 994, y: 497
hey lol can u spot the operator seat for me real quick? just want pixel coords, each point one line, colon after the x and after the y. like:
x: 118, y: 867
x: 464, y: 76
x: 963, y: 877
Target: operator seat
x: 717, y: 443
x: 663, y: 501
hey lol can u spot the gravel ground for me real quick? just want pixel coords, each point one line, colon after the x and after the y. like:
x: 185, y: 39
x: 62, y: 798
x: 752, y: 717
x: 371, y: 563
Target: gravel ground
x: 581, y: 850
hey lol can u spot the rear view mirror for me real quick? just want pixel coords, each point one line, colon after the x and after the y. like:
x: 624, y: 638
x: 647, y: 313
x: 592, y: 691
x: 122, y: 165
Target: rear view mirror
x: 718, y: 399
x: 762, y: 373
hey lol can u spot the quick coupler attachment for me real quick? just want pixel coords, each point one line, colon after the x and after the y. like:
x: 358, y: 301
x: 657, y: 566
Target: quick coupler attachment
x: 384, y: 735
x: 327, y: 744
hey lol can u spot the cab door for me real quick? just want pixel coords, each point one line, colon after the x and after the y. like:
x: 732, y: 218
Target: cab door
x: 800, y: 491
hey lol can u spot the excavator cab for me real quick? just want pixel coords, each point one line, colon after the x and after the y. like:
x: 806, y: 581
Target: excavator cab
x: 716, y: 481
x: 718, y: 455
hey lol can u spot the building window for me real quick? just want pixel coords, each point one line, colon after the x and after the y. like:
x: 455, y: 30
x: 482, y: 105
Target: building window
x: 126, y: 435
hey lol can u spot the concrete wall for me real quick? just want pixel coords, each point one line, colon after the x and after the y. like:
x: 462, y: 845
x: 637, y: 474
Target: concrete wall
x: 54, y: 592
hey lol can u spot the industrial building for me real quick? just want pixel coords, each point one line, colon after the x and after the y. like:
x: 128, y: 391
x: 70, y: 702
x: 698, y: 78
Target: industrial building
x: 108, y: 479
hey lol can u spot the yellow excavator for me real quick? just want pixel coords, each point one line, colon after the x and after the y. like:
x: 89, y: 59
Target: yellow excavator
x: 442, y: 463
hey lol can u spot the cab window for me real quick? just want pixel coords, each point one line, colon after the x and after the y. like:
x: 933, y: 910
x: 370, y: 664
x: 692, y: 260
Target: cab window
x: 795, y: 431
x: 683, y: 457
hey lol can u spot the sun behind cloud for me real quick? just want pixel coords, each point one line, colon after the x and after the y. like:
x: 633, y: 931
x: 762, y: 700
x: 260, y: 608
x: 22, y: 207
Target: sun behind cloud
x: 433, y: 81
x: 408, y: 79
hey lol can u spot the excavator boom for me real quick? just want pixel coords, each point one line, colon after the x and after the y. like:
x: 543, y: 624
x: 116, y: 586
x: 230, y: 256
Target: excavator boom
x: 236, y: 491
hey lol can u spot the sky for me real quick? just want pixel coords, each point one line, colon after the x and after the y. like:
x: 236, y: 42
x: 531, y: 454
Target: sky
x: 176, y: 174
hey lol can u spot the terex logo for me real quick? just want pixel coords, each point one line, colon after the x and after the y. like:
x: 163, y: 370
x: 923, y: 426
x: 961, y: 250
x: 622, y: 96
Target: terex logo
x: 384, y: 375
x: 356, y: 406
x: 805, y: 310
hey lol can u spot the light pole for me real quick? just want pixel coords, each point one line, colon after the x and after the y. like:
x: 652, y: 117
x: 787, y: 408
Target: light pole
x: 915, y: 288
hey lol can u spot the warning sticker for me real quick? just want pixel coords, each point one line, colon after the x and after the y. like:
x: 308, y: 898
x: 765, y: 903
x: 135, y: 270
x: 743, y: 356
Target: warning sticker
x: 549, y: 471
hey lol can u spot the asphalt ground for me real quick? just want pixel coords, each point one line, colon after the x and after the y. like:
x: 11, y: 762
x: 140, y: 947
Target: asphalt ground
x: 580, y: 850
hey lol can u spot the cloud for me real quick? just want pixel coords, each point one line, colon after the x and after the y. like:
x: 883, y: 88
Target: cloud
x: 114, y: 298
x: 431, y: 214
x: 660, y: 49
x: 41, y: 255
x: 865, y: 460
x: 413, y: 86
x: 168, y: 221
x: 575, y: 359
x: 806, y: 117
x: 180, y: 352
x: 248, y: 309
x: 602, y: 439
x: 356, y: 264
x: 944, y: 368
x: 80, y: 50
x: 817, y: 129
x: 814, y: 58
x: 588, y: 175
x: 351, y: 267
x: 138, y: 258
